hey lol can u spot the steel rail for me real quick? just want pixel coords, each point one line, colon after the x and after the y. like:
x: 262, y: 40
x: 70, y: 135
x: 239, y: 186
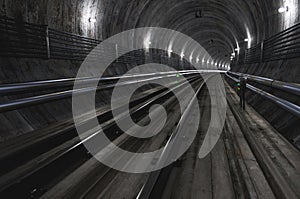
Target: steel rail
x: 278, y: 182
x: 292, y: 88
x: 290, y: 107
x: 106, y: 171
x: 92, y: 135
x: 30, y: 101
x: 67, y: 129
x: 58, y: 83
x: 148, y: 187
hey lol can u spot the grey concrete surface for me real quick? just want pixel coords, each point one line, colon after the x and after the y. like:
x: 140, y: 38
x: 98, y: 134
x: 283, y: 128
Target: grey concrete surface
x: 224, y: 23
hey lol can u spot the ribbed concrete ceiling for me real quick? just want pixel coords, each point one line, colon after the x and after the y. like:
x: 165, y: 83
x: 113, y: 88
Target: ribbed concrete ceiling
x: 223, y: 26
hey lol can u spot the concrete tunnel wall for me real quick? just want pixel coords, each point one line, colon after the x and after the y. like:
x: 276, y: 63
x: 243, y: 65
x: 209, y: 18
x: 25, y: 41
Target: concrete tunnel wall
x: 226, y: 22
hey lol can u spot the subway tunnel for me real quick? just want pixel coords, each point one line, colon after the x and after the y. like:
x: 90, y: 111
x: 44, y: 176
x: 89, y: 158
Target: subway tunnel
x: 149, y: 99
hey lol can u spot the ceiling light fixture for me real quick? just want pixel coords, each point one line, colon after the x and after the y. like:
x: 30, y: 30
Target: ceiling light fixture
x: 283, y: 9
x: 92, y: 20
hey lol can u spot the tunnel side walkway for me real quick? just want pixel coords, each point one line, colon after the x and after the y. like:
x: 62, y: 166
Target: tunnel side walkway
x: 268, y: 162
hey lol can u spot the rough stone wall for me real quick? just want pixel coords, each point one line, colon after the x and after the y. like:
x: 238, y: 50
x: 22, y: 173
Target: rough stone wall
x: 13, y: 70
x: 226, y: 22
x: 282, y: 70
x: 287, y: 70
x: 21, y: 121
x: 260, y: 18
x: 285, y: 123
x: 66, y: 15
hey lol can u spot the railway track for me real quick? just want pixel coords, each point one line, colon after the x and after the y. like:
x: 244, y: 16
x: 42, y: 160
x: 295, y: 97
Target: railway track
x: 251, y: 160
x: 172, y: 128
x: 93, y: 179
x: 38, y: 171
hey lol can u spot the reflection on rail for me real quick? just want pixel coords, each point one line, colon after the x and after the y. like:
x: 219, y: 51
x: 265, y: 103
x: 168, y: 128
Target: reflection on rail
x: 293, y: 88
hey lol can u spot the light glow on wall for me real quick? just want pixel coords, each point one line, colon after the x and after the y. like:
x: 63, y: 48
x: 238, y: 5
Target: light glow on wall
x: 88, y: 18
x: 147, y: 41
x: 238, y: 49
x: 182, y: 55
x: 283, y: 9
x: 170, y: 51
x: 249, y: 38
x: 289, y: 10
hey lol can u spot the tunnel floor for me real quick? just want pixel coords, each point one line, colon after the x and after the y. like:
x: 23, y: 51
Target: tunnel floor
x: 251, y: 160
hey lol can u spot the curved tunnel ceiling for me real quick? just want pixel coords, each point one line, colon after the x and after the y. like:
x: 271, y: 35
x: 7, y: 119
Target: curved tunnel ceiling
x: 225, y: 22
